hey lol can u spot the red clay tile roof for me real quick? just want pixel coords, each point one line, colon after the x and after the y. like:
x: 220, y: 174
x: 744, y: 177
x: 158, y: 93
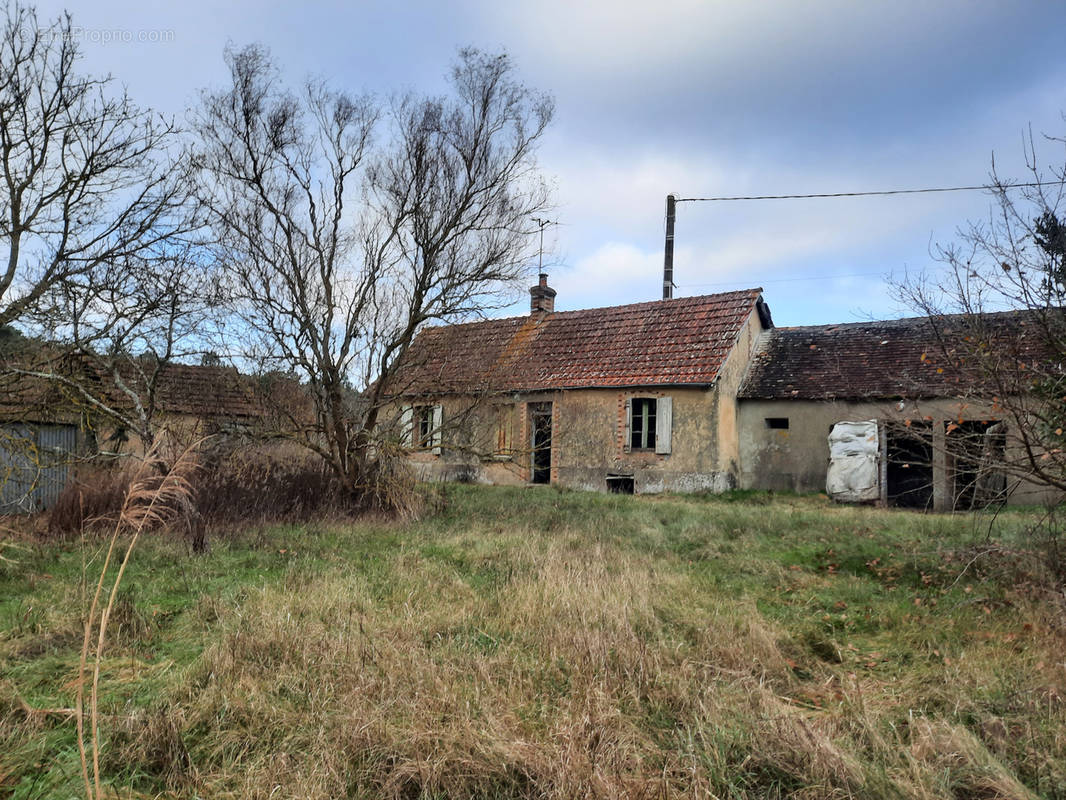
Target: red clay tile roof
x: 918, y: 357
x: 666, y: 342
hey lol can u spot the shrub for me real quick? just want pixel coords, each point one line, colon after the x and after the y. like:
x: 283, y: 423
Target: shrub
x: 258, y: 484
x: 239, y: 483
x: 92, y: 497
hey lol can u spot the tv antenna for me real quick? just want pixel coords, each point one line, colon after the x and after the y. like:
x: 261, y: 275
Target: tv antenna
x: 542, y: 224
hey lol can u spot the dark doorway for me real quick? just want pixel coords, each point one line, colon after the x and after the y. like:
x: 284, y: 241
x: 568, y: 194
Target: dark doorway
x: 540, y: 416
x: 977, y: 451
x: 909, y: 467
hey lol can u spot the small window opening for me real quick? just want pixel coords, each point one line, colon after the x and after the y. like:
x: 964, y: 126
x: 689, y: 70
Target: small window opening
x: 620, y: 484
x: 643, y: 425
x: 777, y: 423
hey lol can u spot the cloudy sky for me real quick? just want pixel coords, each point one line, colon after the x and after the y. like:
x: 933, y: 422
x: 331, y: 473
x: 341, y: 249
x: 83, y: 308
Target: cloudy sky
x: 685, y: 97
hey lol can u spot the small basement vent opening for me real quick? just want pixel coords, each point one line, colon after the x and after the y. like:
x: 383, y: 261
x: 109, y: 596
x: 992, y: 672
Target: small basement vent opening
x: 620, y: 484
x: 777, y: 423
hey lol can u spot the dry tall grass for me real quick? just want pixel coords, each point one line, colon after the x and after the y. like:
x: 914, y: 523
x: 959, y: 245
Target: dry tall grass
x: 155, y: 496
x: 592, y: 647
x: 585, y: 672
x: 239, y: 484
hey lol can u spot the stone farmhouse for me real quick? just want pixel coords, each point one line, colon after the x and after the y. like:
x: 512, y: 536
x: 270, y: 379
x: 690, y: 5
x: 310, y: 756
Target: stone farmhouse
x: 699, y: 393
x: 638, y: 398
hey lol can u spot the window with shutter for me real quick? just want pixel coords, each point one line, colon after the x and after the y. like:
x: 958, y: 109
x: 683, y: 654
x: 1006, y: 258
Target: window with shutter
x: 649, y: 421
x: 423, y: 427
x: 642, y: 423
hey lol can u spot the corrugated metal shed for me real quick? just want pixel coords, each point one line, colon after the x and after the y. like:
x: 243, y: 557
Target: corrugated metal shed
x: 34, y: 465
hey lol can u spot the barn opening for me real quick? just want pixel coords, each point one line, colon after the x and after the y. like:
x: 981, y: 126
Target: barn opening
x: 909, y: 464
x: 976, y: 449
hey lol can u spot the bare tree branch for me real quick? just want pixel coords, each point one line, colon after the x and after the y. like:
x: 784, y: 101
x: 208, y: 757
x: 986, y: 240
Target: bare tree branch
x: 340, y: 246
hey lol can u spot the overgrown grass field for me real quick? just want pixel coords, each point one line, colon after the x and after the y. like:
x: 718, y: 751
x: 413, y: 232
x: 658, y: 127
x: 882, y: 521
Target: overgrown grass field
x: 538, y: 643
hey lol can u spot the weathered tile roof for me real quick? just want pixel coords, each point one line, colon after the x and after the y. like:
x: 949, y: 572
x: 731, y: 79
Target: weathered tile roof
x: 210, y: 392
x: 919, y: 357
x: 207, y: 391
x: 665, y: 342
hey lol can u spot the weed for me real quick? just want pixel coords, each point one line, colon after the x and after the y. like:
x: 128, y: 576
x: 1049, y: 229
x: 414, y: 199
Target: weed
x: 590, y: 646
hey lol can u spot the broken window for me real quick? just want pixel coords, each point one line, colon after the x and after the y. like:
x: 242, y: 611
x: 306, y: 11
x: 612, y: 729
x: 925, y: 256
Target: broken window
x: 777, y: 423
x: 648, y: 424
x: 620, y: 484
x: 424, y: 429
x: 642, y: 430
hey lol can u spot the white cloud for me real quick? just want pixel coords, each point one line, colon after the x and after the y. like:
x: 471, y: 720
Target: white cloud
x: 616, y: 272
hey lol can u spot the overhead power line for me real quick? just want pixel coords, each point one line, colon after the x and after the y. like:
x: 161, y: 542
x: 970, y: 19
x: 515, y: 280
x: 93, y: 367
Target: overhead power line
x: 983, y: 187
x: 784, y: 280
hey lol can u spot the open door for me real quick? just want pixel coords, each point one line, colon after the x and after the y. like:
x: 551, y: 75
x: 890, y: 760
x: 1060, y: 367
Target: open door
x: 540, y: 419
x: 909, y: 468
x: 976, y: 453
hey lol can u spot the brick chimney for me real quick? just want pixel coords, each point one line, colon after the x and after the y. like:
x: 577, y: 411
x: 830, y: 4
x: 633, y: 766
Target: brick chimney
x: 542, y: 297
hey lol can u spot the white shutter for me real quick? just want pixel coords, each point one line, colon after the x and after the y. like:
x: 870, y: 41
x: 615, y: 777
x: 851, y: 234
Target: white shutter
x: 664, y: 422
x: 627, y: 442
x: 407, y: 425
x: 438, y: 420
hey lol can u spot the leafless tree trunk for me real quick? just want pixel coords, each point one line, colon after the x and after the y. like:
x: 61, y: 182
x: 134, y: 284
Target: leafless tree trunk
x: 339, y: 246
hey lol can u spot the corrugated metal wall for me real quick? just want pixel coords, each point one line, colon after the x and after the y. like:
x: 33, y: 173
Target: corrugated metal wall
x: 34, y: 465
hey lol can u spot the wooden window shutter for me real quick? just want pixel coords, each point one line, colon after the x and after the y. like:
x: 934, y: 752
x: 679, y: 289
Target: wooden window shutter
x: 664, y: 422
x: 504, y: 430
x: 438, y: 421
x: 407, y: 425
x: 627, y: 442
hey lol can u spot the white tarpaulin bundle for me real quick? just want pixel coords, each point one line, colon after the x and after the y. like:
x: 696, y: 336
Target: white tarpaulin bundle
x: 853, y: 473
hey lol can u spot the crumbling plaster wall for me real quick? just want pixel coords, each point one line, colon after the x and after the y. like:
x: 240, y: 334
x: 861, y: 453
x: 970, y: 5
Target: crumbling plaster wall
x: 588, y: 435
x: 588, y: 442
x: 796, y: 458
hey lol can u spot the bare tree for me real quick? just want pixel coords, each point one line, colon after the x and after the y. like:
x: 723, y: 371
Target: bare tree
x: 997, y: 313
x: 96, y: 224
x: 115, y: 330
x: 345, y: 225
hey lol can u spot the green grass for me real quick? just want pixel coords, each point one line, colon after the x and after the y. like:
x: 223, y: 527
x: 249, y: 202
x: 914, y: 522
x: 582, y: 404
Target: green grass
x: 540, y: 643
